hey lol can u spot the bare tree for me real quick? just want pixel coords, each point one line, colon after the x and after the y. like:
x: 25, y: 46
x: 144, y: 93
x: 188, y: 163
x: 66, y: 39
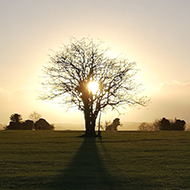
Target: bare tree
x: 147, y: 127
x: 34, y: 116
x: 85, y: 76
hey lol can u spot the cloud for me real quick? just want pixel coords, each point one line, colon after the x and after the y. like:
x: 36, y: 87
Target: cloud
x: 5, y: 93
x: 175, y: 94
x: 24, y: 101
x: 171, y: 86
x: 11, y: 102
x: 170, y: 100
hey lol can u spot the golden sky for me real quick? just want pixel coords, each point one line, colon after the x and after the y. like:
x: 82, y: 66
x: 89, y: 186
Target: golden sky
x: 155, y: 34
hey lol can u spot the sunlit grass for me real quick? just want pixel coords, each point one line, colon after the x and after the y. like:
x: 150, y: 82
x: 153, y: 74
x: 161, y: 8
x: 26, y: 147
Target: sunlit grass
x: 120, y: 160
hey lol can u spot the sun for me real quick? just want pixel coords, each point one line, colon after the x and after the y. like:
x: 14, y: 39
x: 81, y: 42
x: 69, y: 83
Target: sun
x: 93, y: 86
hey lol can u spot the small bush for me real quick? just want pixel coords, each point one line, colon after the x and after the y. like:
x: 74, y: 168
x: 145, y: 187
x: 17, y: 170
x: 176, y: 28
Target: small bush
x: 149, y: 126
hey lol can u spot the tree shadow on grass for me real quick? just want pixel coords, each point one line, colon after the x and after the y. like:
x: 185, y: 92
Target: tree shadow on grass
x: 86, y: 171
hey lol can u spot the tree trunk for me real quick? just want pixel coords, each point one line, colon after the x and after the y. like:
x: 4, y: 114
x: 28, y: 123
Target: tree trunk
x: 90, y: 122
x: 89, y: 116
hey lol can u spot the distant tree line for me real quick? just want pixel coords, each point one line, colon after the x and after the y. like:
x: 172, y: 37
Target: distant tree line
x: 38, y: 123
x: 163, y: 124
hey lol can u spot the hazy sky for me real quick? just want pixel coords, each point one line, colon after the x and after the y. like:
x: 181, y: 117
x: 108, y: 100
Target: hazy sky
x: 154, y: 33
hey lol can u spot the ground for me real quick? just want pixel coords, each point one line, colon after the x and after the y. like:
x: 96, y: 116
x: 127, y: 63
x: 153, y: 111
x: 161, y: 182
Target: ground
x: 117, y: 161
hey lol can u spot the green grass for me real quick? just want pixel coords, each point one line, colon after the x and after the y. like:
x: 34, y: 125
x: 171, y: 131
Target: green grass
x: 120, y: 160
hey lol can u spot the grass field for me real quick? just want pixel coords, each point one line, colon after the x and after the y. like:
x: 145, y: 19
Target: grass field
x: 119, y: 161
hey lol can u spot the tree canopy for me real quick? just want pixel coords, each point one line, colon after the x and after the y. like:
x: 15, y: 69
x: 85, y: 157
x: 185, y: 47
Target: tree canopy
x: 15, y: 118
x: 82, y: 62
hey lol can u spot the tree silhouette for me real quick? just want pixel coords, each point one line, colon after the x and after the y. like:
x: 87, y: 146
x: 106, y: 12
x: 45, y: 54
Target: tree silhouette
x: 42, y: 124
x: 114, y: 125
x: 82, y: 62
x: 15, y: 123
x: 34, y: 116
x: 27, y: 125
x: 178, y: 125
x: 15, y: 118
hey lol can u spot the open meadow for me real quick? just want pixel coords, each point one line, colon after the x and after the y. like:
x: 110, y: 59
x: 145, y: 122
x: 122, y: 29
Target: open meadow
x: 129, y: 160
